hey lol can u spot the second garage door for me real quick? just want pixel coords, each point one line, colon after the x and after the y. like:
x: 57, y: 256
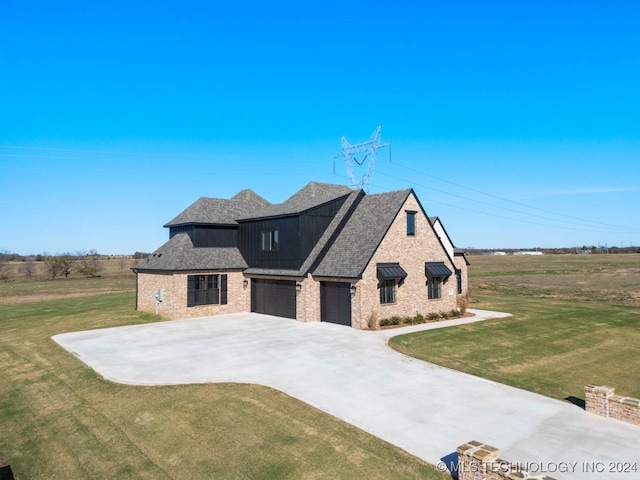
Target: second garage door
x: 335, y: 302
x: 274, y: 297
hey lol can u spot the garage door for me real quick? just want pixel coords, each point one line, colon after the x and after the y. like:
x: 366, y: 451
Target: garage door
x: 335, y: 302
x: 274, y: 297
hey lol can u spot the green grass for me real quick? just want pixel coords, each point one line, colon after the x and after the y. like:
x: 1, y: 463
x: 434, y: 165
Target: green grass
x: 552, y: 347
x: 60, y: 420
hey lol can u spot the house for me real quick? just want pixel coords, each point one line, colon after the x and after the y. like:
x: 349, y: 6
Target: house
x: 328, y: 253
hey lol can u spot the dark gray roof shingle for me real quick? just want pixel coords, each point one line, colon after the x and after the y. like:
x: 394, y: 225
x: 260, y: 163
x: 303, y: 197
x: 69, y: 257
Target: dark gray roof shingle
x: 312, y: 195
x: 360, y: 237
x: 179, y: 254
x: 220, y: 211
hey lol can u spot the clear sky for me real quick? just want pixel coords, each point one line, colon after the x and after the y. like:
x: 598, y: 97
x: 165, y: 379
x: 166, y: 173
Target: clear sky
x: 516, y: 122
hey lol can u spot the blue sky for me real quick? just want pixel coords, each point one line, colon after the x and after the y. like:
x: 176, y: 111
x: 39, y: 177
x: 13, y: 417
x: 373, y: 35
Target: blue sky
x: 518, y: 123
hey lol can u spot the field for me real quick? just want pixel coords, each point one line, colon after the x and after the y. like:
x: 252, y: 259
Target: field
x: 115, y: 277
x: 60, y: 420
x: 606, y: 279
x: 576, y: 320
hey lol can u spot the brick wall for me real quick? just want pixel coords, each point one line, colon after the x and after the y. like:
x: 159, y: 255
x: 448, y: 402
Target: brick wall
x: 411, y: 252
x: 174, y: 302
x: 479, y: 461
x: 461, y: 264
x: 602, y: 400
x: 308, y: 301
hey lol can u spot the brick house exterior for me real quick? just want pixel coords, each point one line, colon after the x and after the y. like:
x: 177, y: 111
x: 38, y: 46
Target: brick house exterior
x: 328, y: 253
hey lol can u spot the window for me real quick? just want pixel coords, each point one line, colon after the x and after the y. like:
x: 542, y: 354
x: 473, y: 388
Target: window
x: 388, y: 291
x: 459, y: 278
x: 434, y: 285
x: 270, y: 241
x: 206, y: 290
x: 411, y: 223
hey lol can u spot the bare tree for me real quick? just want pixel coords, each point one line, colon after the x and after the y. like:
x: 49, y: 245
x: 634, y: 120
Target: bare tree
x: 28, y: 268
x: 89, y: 263
x: 66, y: 264
x: 53, y: 265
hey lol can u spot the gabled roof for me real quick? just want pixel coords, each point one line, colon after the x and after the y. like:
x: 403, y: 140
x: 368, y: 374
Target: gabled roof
x: 220, y: 211
x: 179, y: 254
x: 354, y: 246
x: 312, y: 195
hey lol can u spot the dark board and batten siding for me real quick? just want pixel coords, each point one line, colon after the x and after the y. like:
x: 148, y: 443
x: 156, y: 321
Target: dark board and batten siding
x: 287, y: 256
x: 215, y: 237
x: 297, y: 235
x: 208, y: 236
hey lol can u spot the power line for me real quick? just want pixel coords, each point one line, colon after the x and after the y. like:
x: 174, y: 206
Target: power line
x: 466, y: 209
x: 506, y: 199
x: 105, y: 152
x: 617, y: 229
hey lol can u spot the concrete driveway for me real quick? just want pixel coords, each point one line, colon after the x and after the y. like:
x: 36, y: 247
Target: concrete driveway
x: 422, y: 408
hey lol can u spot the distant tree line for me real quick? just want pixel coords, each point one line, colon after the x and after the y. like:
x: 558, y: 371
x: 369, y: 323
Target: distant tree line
x: 62, y: 265
x: 583, y: 250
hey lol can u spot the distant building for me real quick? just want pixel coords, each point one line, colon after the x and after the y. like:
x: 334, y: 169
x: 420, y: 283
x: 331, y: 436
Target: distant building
x: 528, y: 253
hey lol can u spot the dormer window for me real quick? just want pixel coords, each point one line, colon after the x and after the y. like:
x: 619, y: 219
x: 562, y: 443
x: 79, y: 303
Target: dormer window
x: 270, y: 240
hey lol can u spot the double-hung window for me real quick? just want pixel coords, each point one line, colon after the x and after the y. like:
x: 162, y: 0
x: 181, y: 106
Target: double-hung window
x: 390, y: 275
x: 270, y: 240
x: 437, y: 273
x: 206, y: 290
x: 435, y: 287
x: 388, y: 291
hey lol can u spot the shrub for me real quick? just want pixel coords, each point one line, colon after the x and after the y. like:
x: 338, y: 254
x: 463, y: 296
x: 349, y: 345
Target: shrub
x: 455, y: 313
x: 433, y: 316
x: 419, y: 318
x: 395, y: 320
x: 407, y: 320
x: 463, y: 302
x: 372, y: 321
x: 444, y: 315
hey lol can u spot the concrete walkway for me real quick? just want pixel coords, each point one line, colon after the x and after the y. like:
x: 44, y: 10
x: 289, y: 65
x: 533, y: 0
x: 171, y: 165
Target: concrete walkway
x: 422, y: 408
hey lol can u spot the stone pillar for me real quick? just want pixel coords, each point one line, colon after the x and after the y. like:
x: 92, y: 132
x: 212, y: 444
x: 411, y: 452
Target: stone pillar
x: 473, y: 458
x: 479, y: 461
x: 597, y: 399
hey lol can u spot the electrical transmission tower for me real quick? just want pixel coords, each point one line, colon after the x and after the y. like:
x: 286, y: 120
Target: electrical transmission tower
x: 367, y: 162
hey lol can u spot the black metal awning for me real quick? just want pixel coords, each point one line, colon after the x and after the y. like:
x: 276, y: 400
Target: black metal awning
x: 391, y: 271
x: 436, y: 269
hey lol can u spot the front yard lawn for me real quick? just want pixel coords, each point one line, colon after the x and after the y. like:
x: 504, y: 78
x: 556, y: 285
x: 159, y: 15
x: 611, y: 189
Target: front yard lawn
x: 551, y: 347
x: 60, y: 420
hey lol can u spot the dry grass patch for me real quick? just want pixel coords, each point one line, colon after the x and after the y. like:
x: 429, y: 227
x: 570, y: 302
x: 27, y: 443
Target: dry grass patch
x: 611, y: 279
